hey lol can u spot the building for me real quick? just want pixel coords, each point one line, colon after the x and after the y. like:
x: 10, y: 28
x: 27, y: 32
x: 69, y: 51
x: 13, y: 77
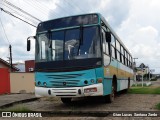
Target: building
x: 141, y: 70
x: 29, y: 65
x: 5, y: 64
x: 20, y: 66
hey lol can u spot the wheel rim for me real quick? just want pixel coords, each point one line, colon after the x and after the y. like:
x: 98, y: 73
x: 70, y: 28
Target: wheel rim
x: 112, y: 95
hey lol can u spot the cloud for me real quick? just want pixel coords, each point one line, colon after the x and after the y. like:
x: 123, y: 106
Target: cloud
x: 140, y: 31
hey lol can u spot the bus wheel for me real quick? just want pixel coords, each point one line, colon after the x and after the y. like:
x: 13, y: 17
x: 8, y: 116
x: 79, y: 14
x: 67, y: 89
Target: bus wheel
x: 126, y: 90
x: 66, y: 100
x: 110, y: 98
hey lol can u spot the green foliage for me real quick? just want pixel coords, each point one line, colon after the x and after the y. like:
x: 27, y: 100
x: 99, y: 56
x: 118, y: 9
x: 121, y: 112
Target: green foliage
x: 144, y: 90
x: 18, y: 108
x: 158, y: 106
x: 139, y: 85
x: 154, y: 79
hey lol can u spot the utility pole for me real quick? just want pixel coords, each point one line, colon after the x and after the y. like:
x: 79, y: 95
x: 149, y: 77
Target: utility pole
x: 10, y: 50
x: 134, y: 68
x: 149, y: 72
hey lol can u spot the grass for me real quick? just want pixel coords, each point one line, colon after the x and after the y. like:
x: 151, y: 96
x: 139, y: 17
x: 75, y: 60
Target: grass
x: 154, y: 79
x: 158, y: 106
x: 144, y: 90
x: 17, y: 108
x: 139, y: 85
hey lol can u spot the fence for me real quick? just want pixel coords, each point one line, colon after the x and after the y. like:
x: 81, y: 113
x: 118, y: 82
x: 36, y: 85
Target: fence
x: 22, y: 82
x: 4, y: 81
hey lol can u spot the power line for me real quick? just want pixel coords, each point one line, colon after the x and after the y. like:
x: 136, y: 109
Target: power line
x: 19, y: 14
x: 4, y: 31
x: 20, y: 10
x: 36, y: 7
x: 46, y: 7
x: 75, y: 6
x: 16, y: 16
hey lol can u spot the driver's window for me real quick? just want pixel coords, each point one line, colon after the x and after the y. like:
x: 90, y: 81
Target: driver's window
x: 105, y: 44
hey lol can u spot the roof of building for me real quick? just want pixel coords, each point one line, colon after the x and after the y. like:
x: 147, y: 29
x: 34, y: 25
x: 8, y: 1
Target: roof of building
x: 8, y: 64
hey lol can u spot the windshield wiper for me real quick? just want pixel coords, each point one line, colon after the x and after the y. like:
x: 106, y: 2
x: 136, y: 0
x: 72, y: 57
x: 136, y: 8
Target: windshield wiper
x: 80, y: 39
x: 50, y: 38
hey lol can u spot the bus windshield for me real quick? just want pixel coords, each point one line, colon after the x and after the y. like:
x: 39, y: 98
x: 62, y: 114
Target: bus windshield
x: 69, y: 44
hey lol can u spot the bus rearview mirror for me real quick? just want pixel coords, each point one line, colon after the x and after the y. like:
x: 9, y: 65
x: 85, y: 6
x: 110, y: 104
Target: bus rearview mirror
x: 28, y: 45
x: 29, y: 42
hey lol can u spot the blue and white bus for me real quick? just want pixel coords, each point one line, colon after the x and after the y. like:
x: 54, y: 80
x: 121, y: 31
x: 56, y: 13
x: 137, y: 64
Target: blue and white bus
x: 79, y: 56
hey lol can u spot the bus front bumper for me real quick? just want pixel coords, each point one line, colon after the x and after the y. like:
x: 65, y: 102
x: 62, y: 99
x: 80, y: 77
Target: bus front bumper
x: 91, y: 90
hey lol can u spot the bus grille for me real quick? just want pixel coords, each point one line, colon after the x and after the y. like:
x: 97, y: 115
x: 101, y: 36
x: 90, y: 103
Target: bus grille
x: 67, y: 80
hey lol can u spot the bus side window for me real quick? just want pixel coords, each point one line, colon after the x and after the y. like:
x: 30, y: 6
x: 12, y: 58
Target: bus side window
x: 117, y: 45
x: 113, y: 40
x: 131, y: 62
x: 122, y: 58
x: 122, y: 54
x: 126, y: 58
x: 118, y: 55
x: 128, y: 61
x: 113, y: 52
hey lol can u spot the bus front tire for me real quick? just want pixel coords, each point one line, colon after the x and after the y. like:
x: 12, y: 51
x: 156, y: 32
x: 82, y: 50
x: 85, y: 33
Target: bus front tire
x: 66, y: 100
x: 110, y: 98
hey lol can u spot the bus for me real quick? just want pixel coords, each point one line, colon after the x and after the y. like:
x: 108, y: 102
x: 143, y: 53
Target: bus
x: 80, y: 56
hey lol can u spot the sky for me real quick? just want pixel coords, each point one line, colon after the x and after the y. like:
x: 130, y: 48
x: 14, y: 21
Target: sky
x: 136, y: 22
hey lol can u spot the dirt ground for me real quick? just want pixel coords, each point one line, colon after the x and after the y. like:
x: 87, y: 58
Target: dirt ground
x: 123, y: 102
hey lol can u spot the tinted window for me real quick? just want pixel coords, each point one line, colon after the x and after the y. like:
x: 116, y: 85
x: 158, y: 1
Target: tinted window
x: 91, y: 42
x: 68, y: 22
x: 113, y: 40
x: 113, y: 52
x: 105, y: 44
x: 71, y: 43
x: 118, y: 55
x: 117, y: 45
x: 57, y: 45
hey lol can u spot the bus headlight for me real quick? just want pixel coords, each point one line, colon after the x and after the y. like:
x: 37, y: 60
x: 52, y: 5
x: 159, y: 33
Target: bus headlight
x: 39, y: 83
x: 87, y: 90
x: 45, y: 84
x: 92, y: 80
x: 85, y: 82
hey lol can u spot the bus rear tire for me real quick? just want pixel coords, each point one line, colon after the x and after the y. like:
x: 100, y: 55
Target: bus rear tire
x: 66, y: 100
x: 126, y: 90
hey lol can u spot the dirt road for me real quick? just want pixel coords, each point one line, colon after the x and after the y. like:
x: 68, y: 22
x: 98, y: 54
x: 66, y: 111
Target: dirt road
x: 124, y: 102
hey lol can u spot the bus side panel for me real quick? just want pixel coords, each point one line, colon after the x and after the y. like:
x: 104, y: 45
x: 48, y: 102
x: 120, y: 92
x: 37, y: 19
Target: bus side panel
x: 122, y: 81
x: 107, y: 82
x: 107, y: 86
x: 109, y: 72
x: 123, y: 74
